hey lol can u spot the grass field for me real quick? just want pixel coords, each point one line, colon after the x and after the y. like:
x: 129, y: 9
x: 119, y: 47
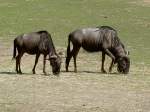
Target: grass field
x: 88, y: 90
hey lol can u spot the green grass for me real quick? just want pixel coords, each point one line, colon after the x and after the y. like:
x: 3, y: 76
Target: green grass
x: 60, y: 17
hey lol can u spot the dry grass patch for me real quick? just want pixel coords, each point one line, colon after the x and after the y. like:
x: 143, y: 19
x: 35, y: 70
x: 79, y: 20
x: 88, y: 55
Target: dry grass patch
x: 141, y: 2
x: 146, y: 1
x: 86, y: 91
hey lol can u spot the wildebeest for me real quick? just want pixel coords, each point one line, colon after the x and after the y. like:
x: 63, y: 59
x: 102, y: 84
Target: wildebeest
x: 103, y: 39
x: 37, y: 43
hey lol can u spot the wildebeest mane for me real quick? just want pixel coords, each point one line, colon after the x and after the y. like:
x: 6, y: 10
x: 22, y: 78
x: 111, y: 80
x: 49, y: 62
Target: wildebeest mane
x: 42, y: 31
x: 106, y: 27
x: 116, y: 41
x: 46, y: 40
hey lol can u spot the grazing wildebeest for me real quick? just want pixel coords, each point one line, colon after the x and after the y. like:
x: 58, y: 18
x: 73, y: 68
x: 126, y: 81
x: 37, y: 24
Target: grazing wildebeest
x: 103, y: 39
x: 37, y: 43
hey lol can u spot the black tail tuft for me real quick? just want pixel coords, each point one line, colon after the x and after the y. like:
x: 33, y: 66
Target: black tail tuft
x: 14, y: 51
x: 68, y: 48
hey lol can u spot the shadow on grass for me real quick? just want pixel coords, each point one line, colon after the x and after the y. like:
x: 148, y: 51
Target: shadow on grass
x: 14, y: 73
x: 95, y: 72
x: 27, y: 74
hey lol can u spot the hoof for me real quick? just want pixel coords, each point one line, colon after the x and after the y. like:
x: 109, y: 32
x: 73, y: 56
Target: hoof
x: 110, y: 70
x: 19, y: 72
x: 44, y: 73
x: 103, y: 71
x: 34, y: 72
x: 75, y: 71
x: 67, y: 70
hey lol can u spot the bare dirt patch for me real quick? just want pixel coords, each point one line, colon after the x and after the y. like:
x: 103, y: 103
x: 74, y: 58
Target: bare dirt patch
x: 85, y: 91
x: 146, y: 1
x: 141, y: 2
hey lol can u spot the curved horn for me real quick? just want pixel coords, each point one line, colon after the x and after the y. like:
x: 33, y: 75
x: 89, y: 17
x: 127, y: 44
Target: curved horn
x: 128, y: 52
x: 53, y: 57
x: 60, y: 53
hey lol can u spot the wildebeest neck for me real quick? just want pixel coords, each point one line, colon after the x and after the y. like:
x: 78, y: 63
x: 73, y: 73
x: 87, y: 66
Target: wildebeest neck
x: 51, y: 49
x: 118, y: 51
x: 47, y: 40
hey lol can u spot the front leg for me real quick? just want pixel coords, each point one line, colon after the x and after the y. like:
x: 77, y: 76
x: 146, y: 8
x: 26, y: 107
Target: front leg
x: 44, y: 62
x: 36, y: 61
x: 112, y: 57
x: 111, y: 65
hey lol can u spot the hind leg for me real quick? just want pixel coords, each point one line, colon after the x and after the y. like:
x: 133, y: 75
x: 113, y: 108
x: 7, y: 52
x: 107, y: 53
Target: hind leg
x: 68, y: 58
x: 112, y: 57
x: 75, y: 53
x: 111, y: 65
x: 17, y: 64
x: 18, y: 59
x: 44, y: 62
x: 103, y: 60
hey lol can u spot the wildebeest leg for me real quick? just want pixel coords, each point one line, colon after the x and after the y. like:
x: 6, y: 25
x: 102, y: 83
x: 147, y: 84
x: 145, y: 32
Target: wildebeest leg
x: 75, y: 53
x: 111, y: 65
x: 44, y: 62
x: 112, y: 56
x: 103, y: 60
x: 36, y: 61
x: 19, y: 61
x: 68, y: 58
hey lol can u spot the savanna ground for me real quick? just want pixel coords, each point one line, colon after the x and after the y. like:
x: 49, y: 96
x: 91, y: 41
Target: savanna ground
x: 88, y: 90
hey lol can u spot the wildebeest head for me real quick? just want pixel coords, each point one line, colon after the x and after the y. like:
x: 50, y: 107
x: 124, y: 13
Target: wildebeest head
x: 55, y: 62
x: 123, y: 65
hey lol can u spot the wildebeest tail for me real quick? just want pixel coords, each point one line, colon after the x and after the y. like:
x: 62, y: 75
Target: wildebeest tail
x: 68, y: 48
x: 14, y: 51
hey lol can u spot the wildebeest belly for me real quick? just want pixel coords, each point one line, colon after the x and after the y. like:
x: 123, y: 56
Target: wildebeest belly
x: 32, y: 50
x: 91, y: 47
x: 91, y: 40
